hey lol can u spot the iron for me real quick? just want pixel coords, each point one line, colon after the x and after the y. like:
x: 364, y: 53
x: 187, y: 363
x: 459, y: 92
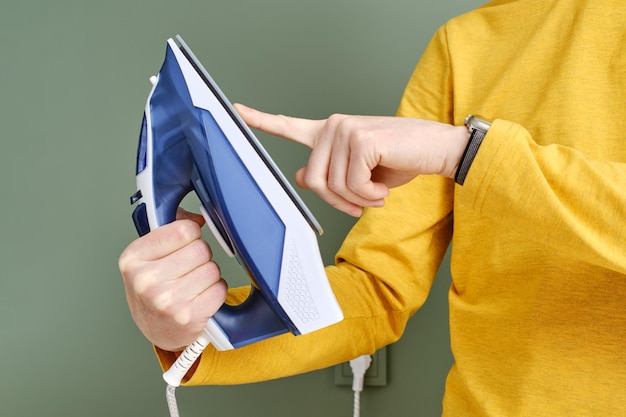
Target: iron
x: 192, y: 139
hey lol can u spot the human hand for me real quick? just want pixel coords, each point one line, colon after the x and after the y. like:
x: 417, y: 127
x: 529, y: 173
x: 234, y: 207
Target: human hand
x: 356, y: 159
x: 172, y: 285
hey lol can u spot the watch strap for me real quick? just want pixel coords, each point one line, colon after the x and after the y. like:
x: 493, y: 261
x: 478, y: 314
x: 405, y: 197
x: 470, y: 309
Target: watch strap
x: 476, y: 138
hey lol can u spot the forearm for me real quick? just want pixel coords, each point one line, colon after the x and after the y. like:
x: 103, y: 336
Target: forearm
x: 383, y: 275
x: 362, y: 331
x: 579, y: 204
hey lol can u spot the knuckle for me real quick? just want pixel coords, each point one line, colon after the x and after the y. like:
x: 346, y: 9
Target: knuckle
x: 216, y: 296
x: 336, y: 185
x: 213, y: 270
x: 168, y: 306
x: 184, y: 231
x: 336, y: 119
x: 164, y: 303
x: 316, y: 185
x: 359, y: 139
x: 200, y: 250
x: 125, y: 262
x: 183, y: 317
x: 309, y: 181
x: 314, y: 182
x: 141, y: 285
x: 355, y: 183
x: 347, y: 126
x: 209, y: 273
x: 219, y: 290
x: 129, y: 260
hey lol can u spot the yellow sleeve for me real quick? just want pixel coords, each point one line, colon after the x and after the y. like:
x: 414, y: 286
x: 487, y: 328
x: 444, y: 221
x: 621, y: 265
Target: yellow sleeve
x: 383, y: 272
x: 579, y: 203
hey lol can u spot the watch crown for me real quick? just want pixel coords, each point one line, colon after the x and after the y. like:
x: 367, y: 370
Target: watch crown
x: 476, y: 122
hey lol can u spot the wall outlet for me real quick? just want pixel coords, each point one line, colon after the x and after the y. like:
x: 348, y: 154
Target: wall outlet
x: 375, y: 376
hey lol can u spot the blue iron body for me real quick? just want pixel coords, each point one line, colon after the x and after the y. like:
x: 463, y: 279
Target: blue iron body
x: 192, y: 140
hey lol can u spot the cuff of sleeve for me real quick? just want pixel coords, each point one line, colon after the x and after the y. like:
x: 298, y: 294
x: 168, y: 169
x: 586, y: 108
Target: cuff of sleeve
x: 166, y: 358
x: 494, y: 152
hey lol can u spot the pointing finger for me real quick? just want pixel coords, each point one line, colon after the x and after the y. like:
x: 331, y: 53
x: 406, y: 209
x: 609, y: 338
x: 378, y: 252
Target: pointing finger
x: 303, y: 131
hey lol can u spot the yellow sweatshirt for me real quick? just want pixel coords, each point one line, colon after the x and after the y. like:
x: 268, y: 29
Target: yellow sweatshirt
x: 538, y: 230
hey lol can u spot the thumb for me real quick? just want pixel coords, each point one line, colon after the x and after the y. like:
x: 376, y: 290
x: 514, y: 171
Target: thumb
x: 182, y: 214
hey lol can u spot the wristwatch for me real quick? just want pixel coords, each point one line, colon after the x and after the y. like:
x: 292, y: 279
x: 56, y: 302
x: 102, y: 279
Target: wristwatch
x: 478, y: 128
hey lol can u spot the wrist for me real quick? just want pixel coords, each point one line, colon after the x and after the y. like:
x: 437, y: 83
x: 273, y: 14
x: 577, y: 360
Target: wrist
x: 459, y: 140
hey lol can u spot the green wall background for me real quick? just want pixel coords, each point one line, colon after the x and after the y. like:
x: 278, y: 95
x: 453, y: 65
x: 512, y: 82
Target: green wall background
x: 73, y: 83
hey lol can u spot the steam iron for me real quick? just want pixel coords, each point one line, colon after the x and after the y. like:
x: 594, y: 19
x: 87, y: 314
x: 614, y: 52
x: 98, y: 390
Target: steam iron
x: 192, y: 139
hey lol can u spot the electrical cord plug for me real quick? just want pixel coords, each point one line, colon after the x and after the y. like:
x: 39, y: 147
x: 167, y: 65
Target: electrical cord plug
x: 359, y: 366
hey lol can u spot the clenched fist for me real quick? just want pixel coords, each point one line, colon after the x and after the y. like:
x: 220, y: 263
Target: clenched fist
x: 172, y: 285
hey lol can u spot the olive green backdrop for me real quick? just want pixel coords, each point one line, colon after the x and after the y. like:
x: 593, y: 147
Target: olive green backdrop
x: 73, y: 84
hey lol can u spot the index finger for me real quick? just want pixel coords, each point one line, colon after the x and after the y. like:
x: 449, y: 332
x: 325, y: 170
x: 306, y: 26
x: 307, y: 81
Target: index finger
x: 164, y: 240
x: 303, y: 131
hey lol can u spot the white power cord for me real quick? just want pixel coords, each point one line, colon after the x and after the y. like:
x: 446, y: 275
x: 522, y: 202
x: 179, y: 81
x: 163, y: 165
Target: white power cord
x: 174, y: 375
x: 170, y: 396
x: 183, y: 363
x: 359, y: 366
